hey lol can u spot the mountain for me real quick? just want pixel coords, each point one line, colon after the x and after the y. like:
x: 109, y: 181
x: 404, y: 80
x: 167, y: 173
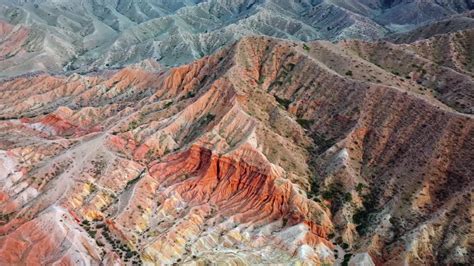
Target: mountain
x: 266, y: 151
x: 458, y: 22
x: 86, y: 35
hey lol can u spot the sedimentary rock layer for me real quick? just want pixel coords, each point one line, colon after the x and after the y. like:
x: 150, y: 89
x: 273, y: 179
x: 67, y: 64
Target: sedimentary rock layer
x: 268, y: 151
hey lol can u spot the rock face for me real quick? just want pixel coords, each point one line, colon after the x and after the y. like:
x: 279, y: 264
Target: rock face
x: 85, y: 35
x: 268, y: 151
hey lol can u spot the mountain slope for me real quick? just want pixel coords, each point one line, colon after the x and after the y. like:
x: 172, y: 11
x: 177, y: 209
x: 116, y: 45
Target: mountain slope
x: 459, y: 22
x: 268, y: 151
x: 84, y: 35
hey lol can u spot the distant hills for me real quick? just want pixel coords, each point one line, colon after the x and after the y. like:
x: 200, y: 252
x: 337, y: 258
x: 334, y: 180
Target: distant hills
x: 83, y: 35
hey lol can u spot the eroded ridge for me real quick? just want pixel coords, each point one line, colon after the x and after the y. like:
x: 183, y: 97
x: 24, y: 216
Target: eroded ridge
x: 268, y: 151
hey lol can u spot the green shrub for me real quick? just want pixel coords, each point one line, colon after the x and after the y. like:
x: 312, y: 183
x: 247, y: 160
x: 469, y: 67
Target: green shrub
x: 283, y: 102
x: 305, y: 123
x: 209, y: 117
x: 132, y: 125
x: 336, y: 194
x: 347, y: 197
x: 347, y: 258
x: 363, y: 216
x: 323, y: 143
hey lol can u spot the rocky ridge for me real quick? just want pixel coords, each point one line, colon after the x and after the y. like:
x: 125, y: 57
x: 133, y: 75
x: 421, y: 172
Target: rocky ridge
x: 268, y: 151
x: 86, y: 35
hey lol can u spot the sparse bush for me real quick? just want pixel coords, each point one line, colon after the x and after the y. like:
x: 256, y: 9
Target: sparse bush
x: 323, y: 143
x: 149, y: 154
x: 347, y: 258
x: 336, y: 194
x: 209, y: 117
x: 363, y: 216
x: 132, y: 125
x: 360, y: 188
x: 305, y: 123
x: 283, y: 102
x: 347, y: 197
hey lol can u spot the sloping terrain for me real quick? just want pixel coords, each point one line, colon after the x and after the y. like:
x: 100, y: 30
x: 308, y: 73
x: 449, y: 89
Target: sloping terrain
x: 85, y: 35
x: 458, y: 22
x: 268, y: 151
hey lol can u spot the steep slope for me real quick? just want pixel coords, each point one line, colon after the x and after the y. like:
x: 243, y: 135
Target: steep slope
x: 260, y: 153
x: 397, y: 13
x: 442, y: 66
x: 459, y: 22
x: 85, y: 35
x: 175, y: 171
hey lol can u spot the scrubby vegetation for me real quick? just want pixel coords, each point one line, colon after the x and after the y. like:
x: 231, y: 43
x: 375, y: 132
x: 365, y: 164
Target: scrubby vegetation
x: 322, y: 142
x: 209, y: 118
x: 283, y: 102
x: 346, y: 260
x: 363, y: 216
x: 305, y: 123
x: 337, y: 195
x: 120, y: 248
x: 135, y: 180
x: 132, y: 125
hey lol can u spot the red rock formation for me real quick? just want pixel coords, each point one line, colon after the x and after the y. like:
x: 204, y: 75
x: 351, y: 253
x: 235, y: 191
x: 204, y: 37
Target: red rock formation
x: 258, y: 154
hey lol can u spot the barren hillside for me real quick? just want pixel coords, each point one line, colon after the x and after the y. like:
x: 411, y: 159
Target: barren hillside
x: 267, y: 151
x: 85, y: 35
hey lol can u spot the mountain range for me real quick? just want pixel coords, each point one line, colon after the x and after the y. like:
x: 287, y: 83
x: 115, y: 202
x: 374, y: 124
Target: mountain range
x: 236, y: 132
x: 85, y: 35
